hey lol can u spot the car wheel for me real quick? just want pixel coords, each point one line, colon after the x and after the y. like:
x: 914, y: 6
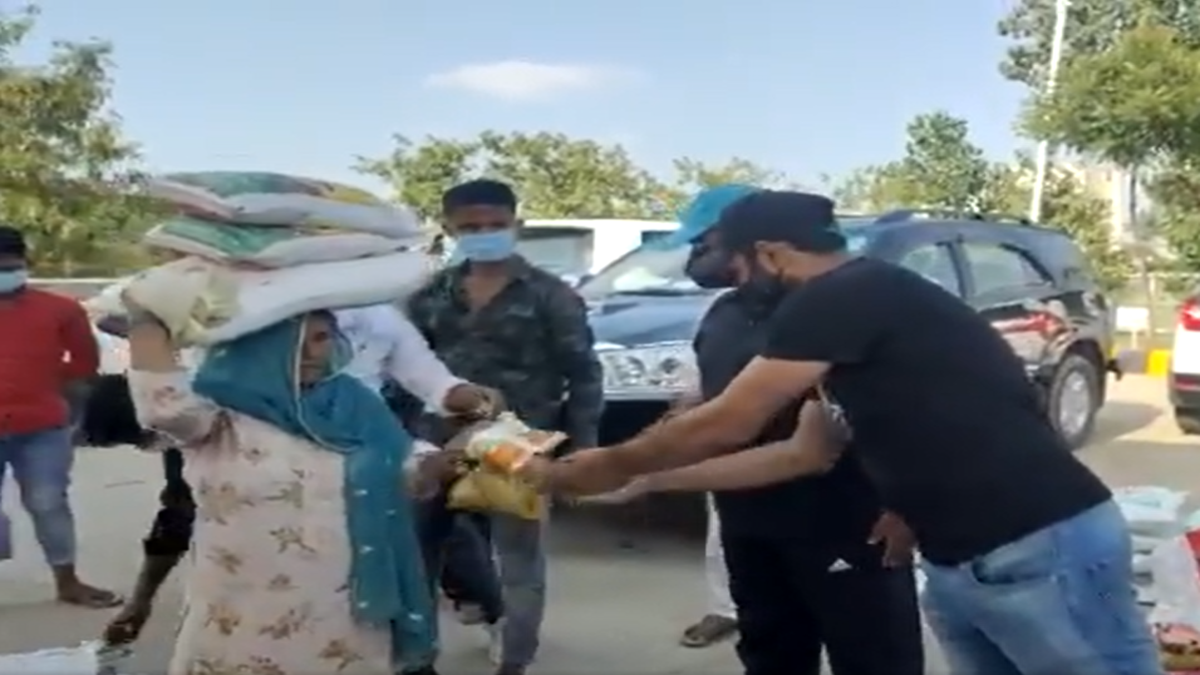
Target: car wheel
x: 1073, y: 398
x: 1188, y: 421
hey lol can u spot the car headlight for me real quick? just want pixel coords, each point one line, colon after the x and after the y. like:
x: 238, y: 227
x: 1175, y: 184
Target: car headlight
x: 653, y: 371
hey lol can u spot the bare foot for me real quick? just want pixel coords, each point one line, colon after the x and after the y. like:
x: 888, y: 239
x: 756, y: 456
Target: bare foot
x: 83, y: 595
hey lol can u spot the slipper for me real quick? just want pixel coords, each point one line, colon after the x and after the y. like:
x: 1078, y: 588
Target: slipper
x: 93, y: 598
x: 708, y: 631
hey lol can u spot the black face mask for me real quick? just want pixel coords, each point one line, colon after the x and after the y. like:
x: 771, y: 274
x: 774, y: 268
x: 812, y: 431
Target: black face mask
x: 709, y: 267
x: 762, y: 286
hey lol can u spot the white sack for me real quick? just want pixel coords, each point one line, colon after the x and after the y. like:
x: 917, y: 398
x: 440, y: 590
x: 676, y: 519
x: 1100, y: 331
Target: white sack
x: 265, y: 297
x: 1176, y: 577
x: 346, y: 209
x: 297, y: 251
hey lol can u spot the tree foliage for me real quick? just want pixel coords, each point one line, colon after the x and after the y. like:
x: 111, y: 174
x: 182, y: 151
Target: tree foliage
x: 1093, y: 27
x: 558, y: 176
x: 942, y: 169
x: 65, y: 170
x: 1131, y: 104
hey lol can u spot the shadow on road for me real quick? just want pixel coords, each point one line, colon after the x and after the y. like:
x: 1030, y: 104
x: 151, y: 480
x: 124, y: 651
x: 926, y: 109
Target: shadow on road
x: 1118, y: 418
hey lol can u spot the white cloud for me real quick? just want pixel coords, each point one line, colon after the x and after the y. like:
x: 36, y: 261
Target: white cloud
x: 526, y: 80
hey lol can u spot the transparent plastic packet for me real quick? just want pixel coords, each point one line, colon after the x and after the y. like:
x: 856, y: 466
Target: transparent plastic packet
x: 505, y: 444
x: 89, y: 658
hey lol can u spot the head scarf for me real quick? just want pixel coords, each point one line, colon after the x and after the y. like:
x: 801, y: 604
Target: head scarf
x: 257, y: 375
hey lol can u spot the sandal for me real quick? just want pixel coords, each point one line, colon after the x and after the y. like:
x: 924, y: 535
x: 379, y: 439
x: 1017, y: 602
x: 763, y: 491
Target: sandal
x: 708, y: 631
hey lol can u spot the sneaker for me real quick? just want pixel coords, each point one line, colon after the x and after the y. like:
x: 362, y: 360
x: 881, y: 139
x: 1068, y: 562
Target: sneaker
x: 496, y: 642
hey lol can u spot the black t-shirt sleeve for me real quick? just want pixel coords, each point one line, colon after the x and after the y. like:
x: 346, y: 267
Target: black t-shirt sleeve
x: 833, y: 320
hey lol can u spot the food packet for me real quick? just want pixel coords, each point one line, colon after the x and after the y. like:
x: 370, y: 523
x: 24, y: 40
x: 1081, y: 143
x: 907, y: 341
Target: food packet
x: 484, y: 490
x: 505, y: 444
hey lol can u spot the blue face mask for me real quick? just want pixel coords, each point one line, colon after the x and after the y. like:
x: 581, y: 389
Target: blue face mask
x: 486, y: 246
x: 11, y: 280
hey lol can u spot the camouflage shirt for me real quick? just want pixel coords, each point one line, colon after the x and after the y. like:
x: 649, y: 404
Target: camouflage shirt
x: 532, y: 342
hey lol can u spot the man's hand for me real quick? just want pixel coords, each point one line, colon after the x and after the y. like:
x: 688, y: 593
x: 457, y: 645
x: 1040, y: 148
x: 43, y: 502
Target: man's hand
x: 585, y: 472
x: 897, y: 539
x: 683, y: 404
x: 472, y: 401
x: 632, y: 491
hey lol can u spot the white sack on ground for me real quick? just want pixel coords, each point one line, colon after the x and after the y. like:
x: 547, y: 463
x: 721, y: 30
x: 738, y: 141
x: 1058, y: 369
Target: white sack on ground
x: 263, y: 297
x: 1153, y: 512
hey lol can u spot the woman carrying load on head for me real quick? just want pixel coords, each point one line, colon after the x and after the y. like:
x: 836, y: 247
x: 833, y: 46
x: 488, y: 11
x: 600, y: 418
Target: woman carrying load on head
x: 305, y: 558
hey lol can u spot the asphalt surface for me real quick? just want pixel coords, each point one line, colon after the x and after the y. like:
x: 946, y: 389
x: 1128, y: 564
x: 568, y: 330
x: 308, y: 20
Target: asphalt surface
x: 619, y: 593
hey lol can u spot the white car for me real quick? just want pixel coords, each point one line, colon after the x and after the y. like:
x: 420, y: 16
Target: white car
x: 1183, y: 383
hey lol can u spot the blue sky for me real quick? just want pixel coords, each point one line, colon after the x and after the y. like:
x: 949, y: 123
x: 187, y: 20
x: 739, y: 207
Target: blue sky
x: 304, y: 86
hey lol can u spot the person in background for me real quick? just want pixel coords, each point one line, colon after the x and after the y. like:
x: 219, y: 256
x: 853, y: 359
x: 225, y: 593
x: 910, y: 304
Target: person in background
x: 1027, y: 558
x: 385, y: 347
x: 495, y: 319
x: 47, y: 356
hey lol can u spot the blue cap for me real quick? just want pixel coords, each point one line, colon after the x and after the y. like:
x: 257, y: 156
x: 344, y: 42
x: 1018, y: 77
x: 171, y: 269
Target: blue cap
x: 703, y: 212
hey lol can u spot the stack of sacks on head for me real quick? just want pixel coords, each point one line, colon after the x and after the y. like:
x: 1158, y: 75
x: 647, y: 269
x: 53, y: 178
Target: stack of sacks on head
x: 252, y: 249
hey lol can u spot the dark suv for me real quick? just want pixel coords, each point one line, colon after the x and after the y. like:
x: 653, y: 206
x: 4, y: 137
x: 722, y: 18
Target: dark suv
x: 1031, y: 282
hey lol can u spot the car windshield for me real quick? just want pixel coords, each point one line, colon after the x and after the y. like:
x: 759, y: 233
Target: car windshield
x: 653, y: 270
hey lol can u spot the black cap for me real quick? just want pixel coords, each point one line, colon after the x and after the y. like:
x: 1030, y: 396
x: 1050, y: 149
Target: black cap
x: 12, y: 242
x: 803, y: 220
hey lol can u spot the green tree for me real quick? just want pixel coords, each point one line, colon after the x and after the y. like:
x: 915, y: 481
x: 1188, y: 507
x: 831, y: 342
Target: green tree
x: 66, y: 172
x: 564, y: 177
x: 418, y: 173
x: 1093, y: 27
x: 557, y: 176
x: 1131, y: 105
x: 692, y: 176
x: 941, y: 168
x: 1135, y: 105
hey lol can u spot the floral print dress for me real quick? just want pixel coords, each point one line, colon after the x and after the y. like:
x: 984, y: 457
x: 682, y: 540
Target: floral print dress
x: 267, y: 577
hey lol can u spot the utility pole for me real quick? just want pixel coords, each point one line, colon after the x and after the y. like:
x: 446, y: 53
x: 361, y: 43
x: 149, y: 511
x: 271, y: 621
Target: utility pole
x: 1061, y: 9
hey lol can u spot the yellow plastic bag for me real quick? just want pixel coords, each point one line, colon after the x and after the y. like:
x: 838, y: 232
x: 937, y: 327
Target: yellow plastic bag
x: 483, y: 490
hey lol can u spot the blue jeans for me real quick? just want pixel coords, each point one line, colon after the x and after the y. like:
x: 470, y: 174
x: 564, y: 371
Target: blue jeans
x: 41, y: 465
x: 1057, y: 602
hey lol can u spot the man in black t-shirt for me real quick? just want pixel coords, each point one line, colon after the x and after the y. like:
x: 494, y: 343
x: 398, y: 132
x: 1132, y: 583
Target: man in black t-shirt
x: 812, y: 564
x: 1028, y: 559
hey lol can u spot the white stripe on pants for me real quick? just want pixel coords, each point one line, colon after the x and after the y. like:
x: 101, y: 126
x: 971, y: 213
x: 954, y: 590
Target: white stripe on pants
x: 719, y: 600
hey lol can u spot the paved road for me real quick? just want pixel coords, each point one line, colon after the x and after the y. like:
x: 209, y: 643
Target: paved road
x: 618, y: 600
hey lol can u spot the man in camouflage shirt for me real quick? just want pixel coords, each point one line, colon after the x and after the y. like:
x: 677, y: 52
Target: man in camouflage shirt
x: 497, y: 320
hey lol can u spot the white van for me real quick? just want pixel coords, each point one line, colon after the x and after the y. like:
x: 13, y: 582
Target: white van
x: 575, y: 248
